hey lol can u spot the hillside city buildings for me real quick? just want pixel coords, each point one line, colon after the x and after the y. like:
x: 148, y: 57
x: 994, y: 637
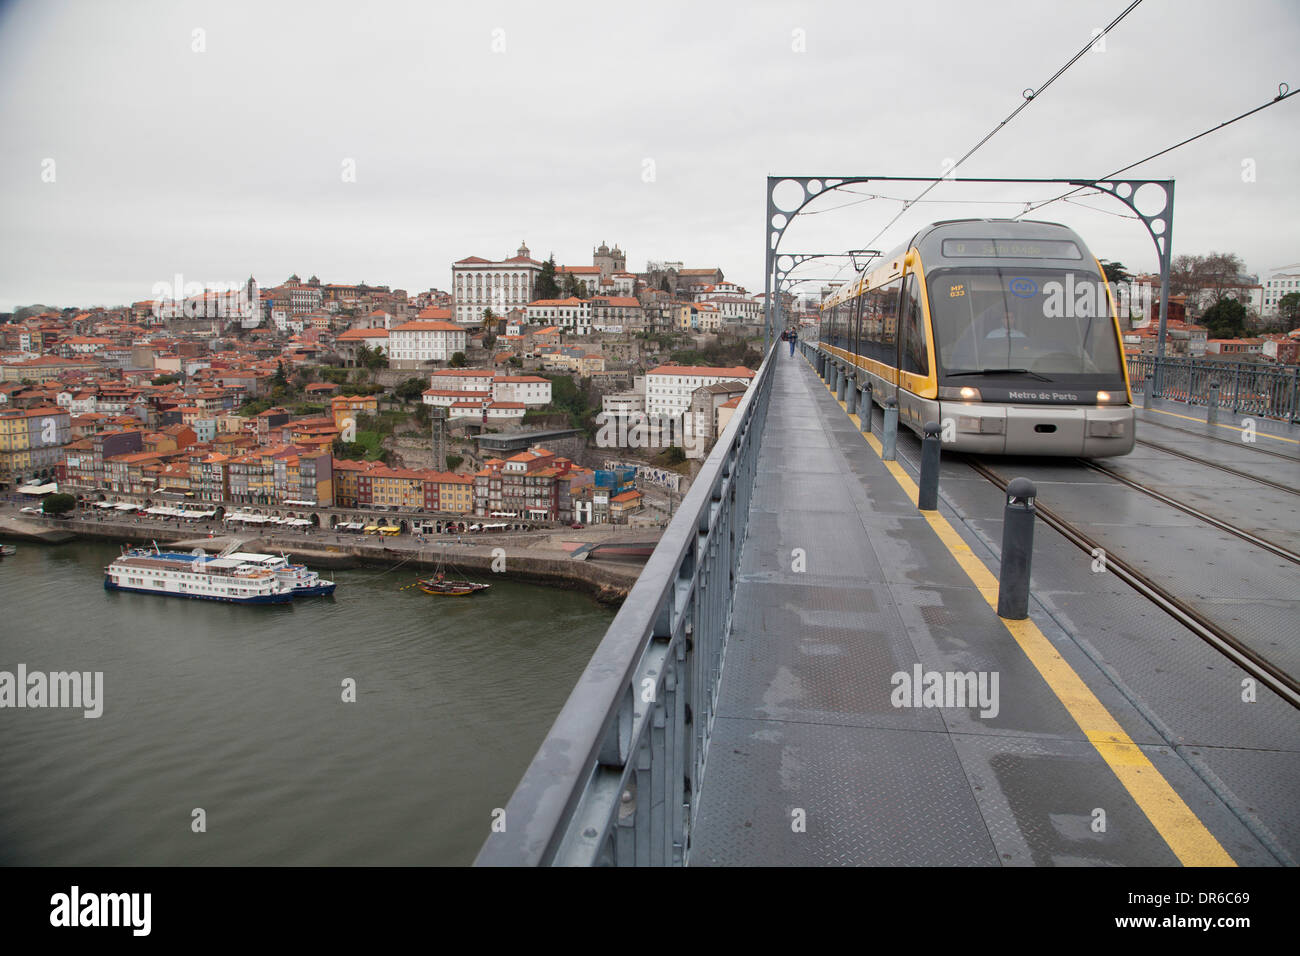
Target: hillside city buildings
x: 241, y: 396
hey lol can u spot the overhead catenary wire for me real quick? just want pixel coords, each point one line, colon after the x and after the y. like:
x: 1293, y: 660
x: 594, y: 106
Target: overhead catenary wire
x: 1029, y: 96
x: 1284, y: 92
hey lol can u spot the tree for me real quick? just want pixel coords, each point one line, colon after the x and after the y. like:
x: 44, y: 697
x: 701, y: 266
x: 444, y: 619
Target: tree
x: 1288, y: 310
x: 409, y: 389
x: 1115, y: 271
x: 489, y: 340
x: 1226, y: 319
x: 280, y: 379
x: 547, y: 287
x: 58, y: 504
x: 1212, y: 277
x: 458, y: 360
x: 454, y: 462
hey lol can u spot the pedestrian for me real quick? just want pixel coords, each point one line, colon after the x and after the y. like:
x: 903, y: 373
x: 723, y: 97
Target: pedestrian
x: 791, y: 336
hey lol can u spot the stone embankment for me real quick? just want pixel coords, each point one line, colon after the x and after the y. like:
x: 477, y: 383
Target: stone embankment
x: 536, y: 560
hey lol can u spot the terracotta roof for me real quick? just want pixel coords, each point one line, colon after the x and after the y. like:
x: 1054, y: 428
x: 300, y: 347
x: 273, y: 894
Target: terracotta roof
x: 738, y: 371
x: 426, y: 326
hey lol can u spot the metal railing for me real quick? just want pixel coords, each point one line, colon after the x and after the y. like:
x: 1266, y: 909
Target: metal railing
x: 617, y: 780
x: 1271, y: 391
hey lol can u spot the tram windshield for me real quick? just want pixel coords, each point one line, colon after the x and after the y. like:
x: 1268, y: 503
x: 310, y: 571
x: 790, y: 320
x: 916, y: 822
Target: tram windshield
x: 1053, y: 324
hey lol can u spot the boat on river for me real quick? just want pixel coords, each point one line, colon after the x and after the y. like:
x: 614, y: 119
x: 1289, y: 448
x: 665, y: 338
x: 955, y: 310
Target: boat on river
x: 440, y: 585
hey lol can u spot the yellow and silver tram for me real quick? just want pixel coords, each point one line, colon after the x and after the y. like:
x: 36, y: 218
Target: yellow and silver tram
x: 1002, y: 331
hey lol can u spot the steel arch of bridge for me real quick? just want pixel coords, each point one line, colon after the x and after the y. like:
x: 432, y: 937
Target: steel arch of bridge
x: 1159, y: 226
x: 782, y: 271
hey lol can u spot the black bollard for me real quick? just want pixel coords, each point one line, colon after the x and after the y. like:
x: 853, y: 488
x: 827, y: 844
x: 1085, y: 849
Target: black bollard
x: 1017, y: 550
x: 927, y: 496
x: 889, y: 442
x: 851, y: 396
x: 1212, y: 403
x: 865, y: 410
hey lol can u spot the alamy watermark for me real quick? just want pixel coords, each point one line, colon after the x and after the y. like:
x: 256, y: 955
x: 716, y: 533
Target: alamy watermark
x: 946, y: 689
x: 639, y: 430
x: 200, y: 300
x: 75, y: 689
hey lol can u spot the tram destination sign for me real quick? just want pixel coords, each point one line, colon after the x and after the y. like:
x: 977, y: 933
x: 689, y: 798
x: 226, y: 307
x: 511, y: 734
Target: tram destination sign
x: 1010, y: 249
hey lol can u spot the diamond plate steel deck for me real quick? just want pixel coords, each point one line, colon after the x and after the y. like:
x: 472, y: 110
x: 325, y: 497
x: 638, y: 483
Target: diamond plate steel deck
x: 842, y: 584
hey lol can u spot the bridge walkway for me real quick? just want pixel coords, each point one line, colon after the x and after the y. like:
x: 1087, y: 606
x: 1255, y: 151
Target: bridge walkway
x: 821, y: 753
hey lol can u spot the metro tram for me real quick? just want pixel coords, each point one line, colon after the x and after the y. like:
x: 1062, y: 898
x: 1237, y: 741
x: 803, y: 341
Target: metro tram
x: 1002, y: 331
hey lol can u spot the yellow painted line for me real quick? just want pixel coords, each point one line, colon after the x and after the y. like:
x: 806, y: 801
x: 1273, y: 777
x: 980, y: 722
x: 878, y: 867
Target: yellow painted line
x: 1178, y: 826
x: 1202, y: 421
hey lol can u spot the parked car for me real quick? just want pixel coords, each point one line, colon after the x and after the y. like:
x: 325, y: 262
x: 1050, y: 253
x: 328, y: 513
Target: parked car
x: 577, y: 525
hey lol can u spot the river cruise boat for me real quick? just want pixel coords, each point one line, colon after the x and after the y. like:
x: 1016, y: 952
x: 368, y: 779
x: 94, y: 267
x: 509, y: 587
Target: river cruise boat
x: 304, y: 581
x: 198, y: 575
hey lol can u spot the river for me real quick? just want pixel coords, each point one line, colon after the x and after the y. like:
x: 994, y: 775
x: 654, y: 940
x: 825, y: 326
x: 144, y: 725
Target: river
x: 238, y: 712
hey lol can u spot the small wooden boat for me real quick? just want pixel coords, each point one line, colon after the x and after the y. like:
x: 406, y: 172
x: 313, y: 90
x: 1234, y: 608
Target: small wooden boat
x: 451, y: 588
x: 7, y: 550
x: 440, y: 586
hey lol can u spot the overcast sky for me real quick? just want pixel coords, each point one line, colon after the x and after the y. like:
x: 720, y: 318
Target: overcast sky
x: 472, y: 127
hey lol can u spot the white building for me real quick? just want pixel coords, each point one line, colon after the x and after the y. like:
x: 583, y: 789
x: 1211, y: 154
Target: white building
x: 1282, y: 282
x: 570, y: 315
x: 462, y: 379
x: 478, y: 284
x: 623, y: 404
x: 411, y: 344
x: 525, y: 389
x: 669, y: 387
x: 616, y: 312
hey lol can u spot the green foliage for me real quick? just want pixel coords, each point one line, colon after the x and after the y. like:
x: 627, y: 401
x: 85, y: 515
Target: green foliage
x: 579, y: 401
x: 457, y: 360
x: 1288, y: 310
x: 371, y: 359
x: 255, y: 407
x: 367, y: 447
x: 280, y: 379
x: 370, y: 388
x: 1226, y: 319
x: 728, y: 356
x: 309, y: 408
x: 454, y: 462
x: 58, y: 504
x: 516, y: 361
x: 338, y: 376
x: 547, y: 287
x: 167, y: 379
x: 1115, y: 271
x: 670, y: 457
x: 411, y: 388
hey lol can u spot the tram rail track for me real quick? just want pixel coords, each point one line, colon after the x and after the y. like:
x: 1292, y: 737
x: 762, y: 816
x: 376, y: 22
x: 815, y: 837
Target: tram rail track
x: 1254, y: 539
x: 1224, y: 468
x: 1282, y: 683
x: 1235, y: 443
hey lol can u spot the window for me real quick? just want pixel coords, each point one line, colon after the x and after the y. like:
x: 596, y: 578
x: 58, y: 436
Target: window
x: 914, y: 356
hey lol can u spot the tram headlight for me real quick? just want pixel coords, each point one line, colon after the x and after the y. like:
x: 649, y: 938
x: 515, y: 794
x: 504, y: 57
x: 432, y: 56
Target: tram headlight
x: 1111, y: 398
x: 964, y: 394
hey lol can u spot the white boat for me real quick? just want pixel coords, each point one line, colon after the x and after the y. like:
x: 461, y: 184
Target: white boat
x: 196, y: 575
x: 304, y: 581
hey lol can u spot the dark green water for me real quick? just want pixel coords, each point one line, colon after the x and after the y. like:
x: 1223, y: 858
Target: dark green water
x: 238, y: 711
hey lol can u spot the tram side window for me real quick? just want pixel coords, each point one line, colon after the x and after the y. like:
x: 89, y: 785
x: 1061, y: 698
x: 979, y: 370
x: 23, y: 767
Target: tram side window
x: 915, y: 358
x: 880, y: 323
